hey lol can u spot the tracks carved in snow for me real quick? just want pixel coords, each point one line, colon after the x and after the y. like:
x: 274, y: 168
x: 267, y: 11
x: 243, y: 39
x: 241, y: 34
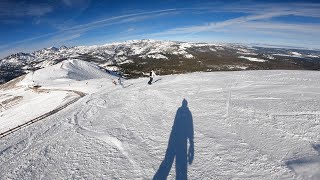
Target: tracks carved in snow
x: 28, y: 123
x: 108, y: 139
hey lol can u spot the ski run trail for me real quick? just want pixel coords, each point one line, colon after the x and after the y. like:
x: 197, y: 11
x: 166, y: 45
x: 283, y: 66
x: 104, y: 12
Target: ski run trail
x: 245, y: 125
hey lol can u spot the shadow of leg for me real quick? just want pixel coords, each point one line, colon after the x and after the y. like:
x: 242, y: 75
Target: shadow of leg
x: 165, y: 166
x: 181, y: 161
x: 167, y: 162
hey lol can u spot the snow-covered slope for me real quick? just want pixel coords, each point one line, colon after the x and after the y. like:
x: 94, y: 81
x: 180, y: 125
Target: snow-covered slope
x: 67, y: 70
x: 41, y: 93
x: 244, y: 125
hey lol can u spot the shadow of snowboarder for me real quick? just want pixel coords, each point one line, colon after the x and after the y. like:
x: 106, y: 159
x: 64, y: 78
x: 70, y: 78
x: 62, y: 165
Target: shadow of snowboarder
x: 307, y: 167
x: 182, y: 130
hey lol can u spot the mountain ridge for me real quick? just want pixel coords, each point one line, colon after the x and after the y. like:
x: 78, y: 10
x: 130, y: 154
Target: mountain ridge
x: 133, y: 57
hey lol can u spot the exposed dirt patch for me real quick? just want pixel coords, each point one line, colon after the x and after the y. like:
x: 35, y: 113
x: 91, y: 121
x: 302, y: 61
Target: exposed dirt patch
x: 18, y: 98
x: 12, y: 84
x: 8, y: 103
x: 37, y: 89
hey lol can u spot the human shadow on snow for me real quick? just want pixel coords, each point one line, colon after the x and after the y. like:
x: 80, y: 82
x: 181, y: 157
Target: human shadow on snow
x: 182, y: 131
x: 307, y: 162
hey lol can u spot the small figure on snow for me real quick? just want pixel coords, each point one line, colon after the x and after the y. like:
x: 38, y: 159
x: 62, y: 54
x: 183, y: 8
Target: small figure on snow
x: 114, y: 82
x: 152, y: 75
x: 119, y: 79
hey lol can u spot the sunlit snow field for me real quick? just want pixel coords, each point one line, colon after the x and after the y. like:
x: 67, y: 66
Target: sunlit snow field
x: 245, y: 125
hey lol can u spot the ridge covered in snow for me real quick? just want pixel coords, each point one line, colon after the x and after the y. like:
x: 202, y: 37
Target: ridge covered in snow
x: 135, y: 56
x: 122, y: 51
x: 67, y: 70
x: 112, y: 51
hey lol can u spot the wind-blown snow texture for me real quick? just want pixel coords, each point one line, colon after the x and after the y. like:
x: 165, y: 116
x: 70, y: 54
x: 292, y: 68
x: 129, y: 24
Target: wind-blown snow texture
x: 245, y: 125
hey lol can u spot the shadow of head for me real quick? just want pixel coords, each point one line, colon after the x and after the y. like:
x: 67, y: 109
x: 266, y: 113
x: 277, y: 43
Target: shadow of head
x: 317, y: 148
x: 184, y: 103
x: 308, y: 166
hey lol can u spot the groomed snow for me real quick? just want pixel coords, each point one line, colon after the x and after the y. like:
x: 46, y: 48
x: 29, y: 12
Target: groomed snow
x: 246, y: 125
x: 46, y: 89
x: 24, y: 106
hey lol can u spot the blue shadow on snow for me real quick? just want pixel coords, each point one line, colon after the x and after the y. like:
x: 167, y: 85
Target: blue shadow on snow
x: 182, y: 131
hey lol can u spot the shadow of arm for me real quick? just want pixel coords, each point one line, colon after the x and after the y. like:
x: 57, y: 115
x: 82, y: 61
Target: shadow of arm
x: 191, y: 152
x: 191, y: 142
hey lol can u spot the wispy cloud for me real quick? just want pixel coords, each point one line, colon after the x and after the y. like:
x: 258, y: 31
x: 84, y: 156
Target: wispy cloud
x: 297, y: 9
x: 79, y: 5
x: 121, y: 19
x: 76, y: 31
x: 20, y: 9
x: 310, y: 29
x: 55, y: 39
x: 130, y: 29
x: 212, y: 26
x: 258, y: 13
x: 62, y: 38
x: 260, y: 18
x: 76, y: 3
x: 10, y: 21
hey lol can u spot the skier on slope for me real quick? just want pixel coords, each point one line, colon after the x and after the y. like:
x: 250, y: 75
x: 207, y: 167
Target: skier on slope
x: 119, y: 79
x: 151, y: 75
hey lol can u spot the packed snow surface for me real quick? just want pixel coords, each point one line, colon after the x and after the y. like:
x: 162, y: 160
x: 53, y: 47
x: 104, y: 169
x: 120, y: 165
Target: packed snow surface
x: 44, y: 90
x: 242, y: 125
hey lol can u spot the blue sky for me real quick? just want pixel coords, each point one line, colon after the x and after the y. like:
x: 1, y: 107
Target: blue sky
x: 31, y: 25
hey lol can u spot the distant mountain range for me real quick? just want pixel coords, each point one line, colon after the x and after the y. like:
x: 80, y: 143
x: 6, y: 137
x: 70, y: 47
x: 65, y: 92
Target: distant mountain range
x: 134, y: 57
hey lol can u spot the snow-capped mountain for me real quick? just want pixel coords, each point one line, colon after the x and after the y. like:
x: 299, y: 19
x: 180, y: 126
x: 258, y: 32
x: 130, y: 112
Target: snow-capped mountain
x: 114, y: 52
x: 136, y: 56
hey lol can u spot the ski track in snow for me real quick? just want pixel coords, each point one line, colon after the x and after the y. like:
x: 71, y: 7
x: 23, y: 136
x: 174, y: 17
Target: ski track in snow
x: 28, y: 122
x: 247, y: 125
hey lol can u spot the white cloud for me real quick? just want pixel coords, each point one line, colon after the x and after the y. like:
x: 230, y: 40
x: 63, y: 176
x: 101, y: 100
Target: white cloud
x: 297, y: 9
x: 38, y: 10
x: 283, y: 27
x: 255, y: 18
x: 74, y: 31
x: 76, y: 3
x: 259, y: 14
x: 130, y: 29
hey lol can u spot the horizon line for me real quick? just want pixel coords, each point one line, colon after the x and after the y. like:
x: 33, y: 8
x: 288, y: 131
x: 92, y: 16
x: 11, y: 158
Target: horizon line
x: 266, y: 45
